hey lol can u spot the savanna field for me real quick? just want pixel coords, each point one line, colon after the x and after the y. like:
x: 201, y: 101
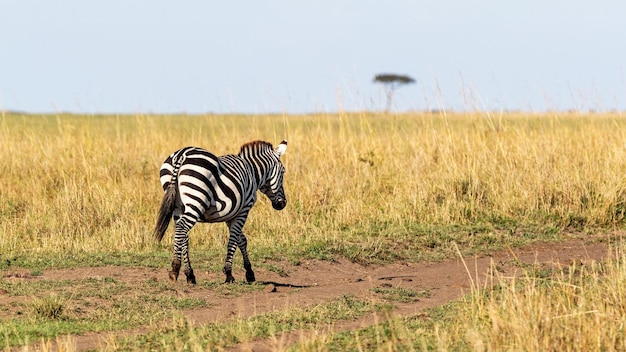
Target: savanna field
x: 82, y: 191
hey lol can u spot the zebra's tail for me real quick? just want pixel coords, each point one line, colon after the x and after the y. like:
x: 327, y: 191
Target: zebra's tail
x: 165, y: 212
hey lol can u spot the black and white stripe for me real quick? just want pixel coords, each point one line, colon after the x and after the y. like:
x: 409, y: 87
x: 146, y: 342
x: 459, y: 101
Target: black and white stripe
x: 202, y: 187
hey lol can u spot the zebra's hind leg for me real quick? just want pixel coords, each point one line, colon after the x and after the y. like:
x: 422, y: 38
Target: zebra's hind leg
x: 181, y: 249
x: 243, y: 244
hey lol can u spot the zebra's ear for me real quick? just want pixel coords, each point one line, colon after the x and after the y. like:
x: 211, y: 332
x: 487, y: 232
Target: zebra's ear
x: 281, y: 149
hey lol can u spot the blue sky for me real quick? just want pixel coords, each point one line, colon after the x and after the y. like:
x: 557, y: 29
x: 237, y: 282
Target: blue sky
x: 293, y: 56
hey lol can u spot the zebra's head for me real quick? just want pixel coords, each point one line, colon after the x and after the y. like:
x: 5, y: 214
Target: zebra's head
x: 273, y: 187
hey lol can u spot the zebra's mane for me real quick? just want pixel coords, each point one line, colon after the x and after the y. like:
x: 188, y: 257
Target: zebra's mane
x: 256, y: 145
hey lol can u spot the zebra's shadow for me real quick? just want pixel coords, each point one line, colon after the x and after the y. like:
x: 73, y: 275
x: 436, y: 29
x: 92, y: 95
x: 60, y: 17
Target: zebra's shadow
x: 280, y: 284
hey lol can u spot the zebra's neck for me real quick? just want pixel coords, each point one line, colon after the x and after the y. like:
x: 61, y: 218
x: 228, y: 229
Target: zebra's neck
x: 259, y: 156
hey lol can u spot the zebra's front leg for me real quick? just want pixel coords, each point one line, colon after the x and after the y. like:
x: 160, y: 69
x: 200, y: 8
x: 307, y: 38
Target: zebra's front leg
x: 237, y: 239
x: 243, y: 244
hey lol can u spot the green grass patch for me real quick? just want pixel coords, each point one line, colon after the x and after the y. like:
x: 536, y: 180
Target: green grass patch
x: 398, y: 294
x: 388, y: 243
x: 76, y: 306
x: 374, y: 243
x: 226, y: 334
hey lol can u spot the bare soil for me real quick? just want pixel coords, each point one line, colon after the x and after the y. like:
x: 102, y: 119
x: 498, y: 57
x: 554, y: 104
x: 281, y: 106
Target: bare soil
x: 314, y: 282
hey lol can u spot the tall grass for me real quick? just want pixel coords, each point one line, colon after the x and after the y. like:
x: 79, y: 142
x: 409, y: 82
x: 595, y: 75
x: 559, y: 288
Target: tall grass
x: 581, y: 309
x: 367, y: 184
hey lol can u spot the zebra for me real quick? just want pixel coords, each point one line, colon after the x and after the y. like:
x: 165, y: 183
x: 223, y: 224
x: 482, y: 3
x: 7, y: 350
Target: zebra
x: 202, y: 187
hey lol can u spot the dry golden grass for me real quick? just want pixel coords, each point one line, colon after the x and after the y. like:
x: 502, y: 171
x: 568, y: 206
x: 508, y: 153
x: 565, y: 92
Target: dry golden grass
x: 579, y: 309
x: 90, y: 183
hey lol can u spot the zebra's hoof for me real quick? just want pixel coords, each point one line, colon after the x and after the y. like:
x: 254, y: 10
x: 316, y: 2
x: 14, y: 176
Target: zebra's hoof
x: 191, y: 278
x: 229, y: 276
x: 250, y: 276
x: 175, y: 270
x: 173, y: 276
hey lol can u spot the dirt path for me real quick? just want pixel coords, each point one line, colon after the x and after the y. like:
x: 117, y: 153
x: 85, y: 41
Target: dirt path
x: 314, y: 282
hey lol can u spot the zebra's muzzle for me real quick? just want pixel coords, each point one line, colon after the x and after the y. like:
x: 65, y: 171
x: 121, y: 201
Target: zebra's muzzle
x: 279, y: 204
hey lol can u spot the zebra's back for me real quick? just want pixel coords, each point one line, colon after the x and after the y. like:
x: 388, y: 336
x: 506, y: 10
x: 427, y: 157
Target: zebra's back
x: 213, y: 188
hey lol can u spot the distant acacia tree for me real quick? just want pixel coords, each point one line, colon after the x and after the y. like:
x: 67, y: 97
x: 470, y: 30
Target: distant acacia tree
x: 392, y: 82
